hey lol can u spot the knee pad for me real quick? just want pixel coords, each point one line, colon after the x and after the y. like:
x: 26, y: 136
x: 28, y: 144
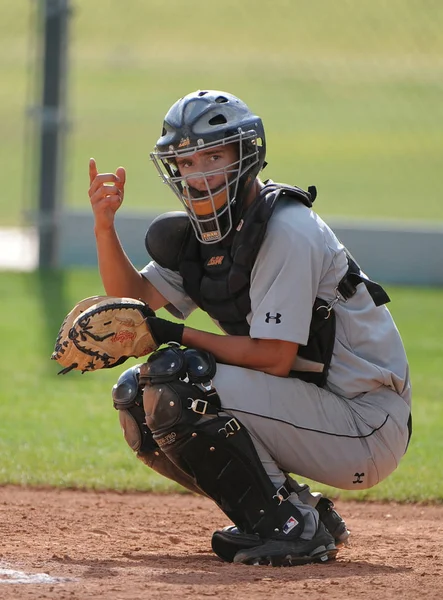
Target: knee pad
x: 128, y: 400
x: 177, y: 390
x: 127, y: 395
x: 183, y: 412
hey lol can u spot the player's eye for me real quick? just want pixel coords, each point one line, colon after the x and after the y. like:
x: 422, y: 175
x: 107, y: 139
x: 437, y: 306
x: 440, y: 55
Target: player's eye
x: 184, y: 164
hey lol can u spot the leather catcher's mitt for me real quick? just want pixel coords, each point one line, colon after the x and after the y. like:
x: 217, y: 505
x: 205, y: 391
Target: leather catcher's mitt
x: 63, y: 345
x: 102, y: 332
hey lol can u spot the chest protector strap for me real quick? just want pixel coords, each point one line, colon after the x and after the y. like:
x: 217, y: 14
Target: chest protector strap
x: 313, y: 360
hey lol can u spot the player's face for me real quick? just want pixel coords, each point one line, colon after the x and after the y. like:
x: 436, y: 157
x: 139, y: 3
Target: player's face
x: 193, y: 166
x: 206, y: 171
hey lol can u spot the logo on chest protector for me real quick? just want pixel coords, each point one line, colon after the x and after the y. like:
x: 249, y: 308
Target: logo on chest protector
x: 215, y: 261
x: 276, y: 318
x: 168, y: 439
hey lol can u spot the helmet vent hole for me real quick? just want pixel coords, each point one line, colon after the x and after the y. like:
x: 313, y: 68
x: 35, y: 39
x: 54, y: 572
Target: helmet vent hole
x: 218, y: 120
x: 221, y: 99
x: 202, y: 93
x: 163, y: 131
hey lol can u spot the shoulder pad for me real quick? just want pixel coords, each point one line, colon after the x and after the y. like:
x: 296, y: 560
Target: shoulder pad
x: 165, y: 238
x: 307, y: 198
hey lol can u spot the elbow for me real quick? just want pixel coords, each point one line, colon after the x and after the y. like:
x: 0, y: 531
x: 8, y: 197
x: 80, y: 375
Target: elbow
x: 280, y: 357
x: 279, y: 370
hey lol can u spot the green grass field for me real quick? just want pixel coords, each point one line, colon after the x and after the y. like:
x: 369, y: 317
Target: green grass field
x: 350, y: 94
x: 63, y: 430
x: 351, y: 97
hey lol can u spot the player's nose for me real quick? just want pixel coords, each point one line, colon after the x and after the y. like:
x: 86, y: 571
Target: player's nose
x: 200, y: 182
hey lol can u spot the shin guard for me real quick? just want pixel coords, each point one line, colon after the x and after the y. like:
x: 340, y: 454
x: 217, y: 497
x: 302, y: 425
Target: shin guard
x: 212, y: 447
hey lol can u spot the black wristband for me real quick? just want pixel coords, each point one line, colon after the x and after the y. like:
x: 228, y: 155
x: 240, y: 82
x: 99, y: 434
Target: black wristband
x: 165, y: 331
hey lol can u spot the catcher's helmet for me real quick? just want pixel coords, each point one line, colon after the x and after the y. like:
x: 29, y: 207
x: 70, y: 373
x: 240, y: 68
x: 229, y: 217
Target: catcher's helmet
x: 199, y: 122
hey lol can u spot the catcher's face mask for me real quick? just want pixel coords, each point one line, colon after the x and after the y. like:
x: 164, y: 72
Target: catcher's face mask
x: 210, y: 151
x: 206, y: 178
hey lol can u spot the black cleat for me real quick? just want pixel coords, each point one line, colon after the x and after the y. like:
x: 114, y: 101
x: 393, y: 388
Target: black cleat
x: 230, y: 540
x: 282, y: 553
x: 332, y: 521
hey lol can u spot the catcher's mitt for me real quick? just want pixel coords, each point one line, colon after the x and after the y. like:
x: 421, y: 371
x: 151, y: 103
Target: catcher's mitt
x: 103, y: 333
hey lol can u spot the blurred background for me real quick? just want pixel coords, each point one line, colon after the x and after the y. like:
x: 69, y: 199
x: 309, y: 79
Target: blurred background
x: 350, y: 94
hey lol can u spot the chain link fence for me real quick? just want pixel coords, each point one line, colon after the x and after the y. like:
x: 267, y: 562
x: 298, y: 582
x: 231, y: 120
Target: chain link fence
x: 350, y: 93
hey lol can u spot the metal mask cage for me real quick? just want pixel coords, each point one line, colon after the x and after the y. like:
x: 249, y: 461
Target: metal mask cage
x: 217, y: 223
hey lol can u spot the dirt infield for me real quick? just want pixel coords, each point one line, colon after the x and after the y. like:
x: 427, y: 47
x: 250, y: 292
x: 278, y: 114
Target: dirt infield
x: 79, y: 545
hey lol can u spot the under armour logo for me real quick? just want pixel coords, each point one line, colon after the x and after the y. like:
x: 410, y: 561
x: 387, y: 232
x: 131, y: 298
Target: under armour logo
x: 358, y: 477
x: 276, y: 318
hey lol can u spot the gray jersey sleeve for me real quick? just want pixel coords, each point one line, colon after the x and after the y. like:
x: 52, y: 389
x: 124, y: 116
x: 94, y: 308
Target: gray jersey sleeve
x: 286, y: 275
x: 170, y: 285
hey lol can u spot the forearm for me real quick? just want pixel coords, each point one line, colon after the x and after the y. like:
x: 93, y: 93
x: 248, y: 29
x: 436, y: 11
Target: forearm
x: 118, y: 274
x: 270, y: 356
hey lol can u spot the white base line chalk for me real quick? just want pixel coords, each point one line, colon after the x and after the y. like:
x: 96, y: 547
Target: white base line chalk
x: 13, y: 576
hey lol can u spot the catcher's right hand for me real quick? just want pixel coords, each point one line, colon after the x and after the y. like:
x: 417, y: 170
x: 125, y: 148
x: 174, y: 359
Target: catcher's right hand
x: 104, y: 334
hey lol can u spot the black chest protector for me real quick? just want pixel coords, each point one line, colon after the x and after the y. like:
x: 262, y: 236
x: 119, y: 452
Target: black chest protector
x: 217, y: 276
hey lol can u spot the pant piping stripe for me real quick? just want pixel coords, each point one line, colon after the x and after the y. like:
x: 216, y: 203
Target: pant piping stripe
x: 342, y: 435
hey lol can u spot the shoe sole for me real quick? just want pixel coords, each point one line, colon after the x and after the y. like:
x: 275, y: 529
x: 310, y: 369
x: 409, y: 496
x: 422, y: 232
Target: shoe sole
x: 343, y: 539
x: 226, y: 545
x: 321, y: 554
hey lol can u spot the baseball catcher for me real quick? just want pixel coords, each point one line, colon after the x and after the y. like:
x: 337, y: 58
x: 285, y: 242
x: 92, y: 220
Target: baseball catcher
x: 308, y: 376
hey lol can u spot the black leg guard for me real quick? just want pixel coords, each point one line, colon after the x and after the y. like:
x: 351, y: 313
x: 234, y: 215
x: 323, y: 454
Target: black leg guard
x: 128, y: 400
x: 212, y: 447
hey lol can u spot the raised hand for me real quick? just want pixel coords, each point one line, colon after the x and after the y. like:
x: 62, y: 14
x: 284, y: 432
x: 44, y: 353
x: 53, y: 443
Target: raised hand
x: 106, y: 193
